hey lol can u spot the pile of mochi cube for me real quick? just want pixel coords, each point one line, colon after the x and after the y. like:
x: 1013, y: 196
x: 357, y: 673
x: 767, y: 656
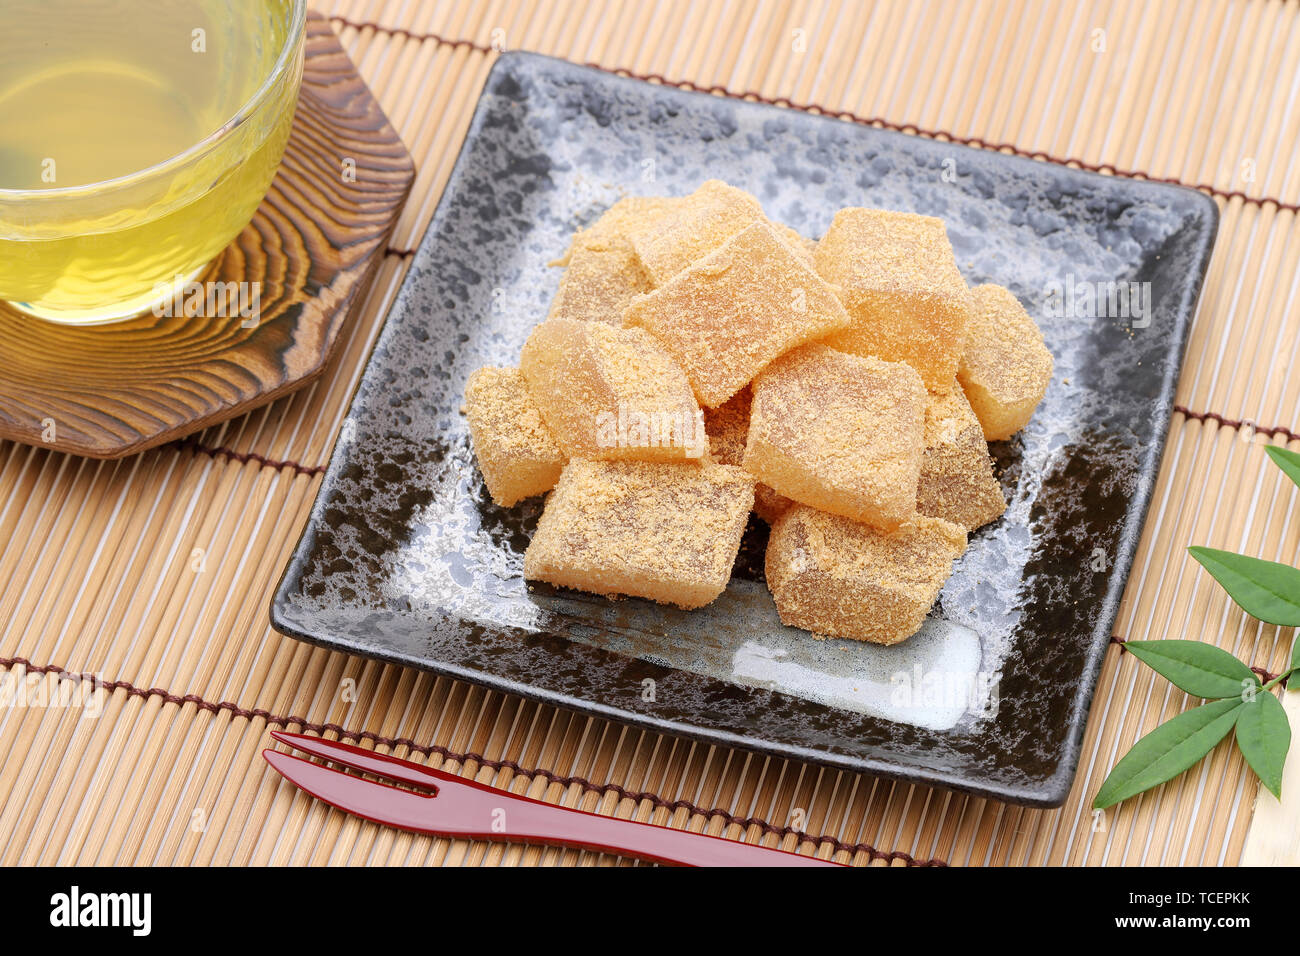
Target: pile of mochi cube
x: 701, y: 362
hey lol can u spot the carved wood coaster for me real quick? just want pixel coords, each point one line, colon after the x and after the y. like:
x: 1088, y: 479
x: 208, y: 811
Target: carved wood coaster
x: 112, y: 390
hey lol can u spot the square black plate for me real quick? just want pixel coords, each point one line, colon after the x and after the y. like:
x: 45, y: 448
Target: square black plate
x: 406, y: 559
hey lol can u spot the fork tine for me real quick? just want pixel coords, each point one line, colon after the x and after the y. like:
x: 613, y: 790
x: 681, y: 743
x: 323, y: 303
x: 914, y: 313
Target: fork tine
x: 367, y: 761
x: 368, y: 799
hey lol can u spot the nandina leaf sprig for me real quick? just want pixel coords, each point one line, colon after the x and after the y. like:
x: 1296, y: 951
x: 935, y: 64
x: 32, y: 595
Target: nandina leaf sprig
x: 1236, y: 699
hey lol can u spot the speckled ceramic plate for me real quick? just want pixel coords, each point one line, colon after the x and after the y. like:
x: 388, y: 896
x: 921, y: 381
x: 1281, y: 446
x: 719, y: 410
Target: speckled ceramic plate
x: 405, y: 557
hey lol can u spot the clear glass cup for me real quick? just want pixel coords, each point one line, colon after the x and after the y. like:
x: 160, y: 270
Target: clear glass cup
x: 199, y: 93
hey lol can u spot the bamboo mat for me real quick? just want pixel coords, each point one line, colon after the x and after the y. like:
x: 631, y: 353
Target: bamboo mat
x: 153, y: 575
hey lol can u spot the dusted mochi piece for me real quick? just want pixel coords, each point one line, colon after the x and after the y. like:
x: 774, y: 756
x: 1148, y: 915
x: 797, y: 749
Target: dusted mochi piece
x: 603, y: 273
x: 617, y: 222
x: 768, y: 504
x: 515, y: 450
x: 667, y: 532
x: 734, y: 311
x: 838, y: 578
x: 693, y: 227
x: 841, y: 433
x: 802, y: 247
x: 607, y: 392
x: 728, y: 427
x: 899, y: 280
x: 1006, y: 367
x: 600, y: 282
x: 957, y: 482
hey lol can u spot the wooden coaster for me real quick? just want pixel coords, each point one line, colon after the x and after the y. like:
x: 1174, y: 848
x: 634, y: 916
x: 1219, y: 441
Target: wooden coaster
x: 112, y: 390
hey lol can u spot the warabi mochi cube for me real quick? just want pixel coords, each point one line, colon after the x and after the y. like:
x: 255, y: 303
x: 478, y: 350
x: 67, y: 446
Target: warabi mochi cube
x: 768, y: 504
x: 617, y: 222
x: 957, y: 482
x: 693, y: 227
x: 599, y: 283
x: 662, y: 531
x: 516, y: 452
x: 841, y: 433
x: 602, y: 271
x: 1006, y: 366
x: 734, y: 311
x: 803, y: 248
x: 899, y: 280
x: 689, y: 227
x: 610, y: 393
x: 839, y: 578
x: 728, y: 427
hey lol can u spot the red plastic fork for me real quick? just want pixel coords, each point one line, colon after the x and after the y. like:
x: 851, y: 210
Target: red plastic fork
x: 470, y: 810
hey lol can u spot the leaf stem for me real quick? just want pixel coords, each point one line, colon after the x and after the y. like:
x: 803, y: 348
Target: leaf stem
x: 1279, y: 678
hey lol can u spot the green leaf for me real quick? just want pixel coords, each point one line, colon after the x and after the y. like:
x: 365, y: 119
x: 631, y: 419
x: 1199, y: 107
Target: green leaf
x: 1202, y: 670
x: 1168, y: 750
x: 1288, y: 461
x: 1264, y: 589
x: 1263, y: 736
x: 1295, y: 654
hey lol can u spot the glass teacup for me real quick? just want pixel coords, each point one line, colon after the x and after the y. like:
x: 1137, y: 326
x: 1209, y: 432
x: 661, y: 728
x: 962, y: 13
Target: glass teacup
x: 137, y: 138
